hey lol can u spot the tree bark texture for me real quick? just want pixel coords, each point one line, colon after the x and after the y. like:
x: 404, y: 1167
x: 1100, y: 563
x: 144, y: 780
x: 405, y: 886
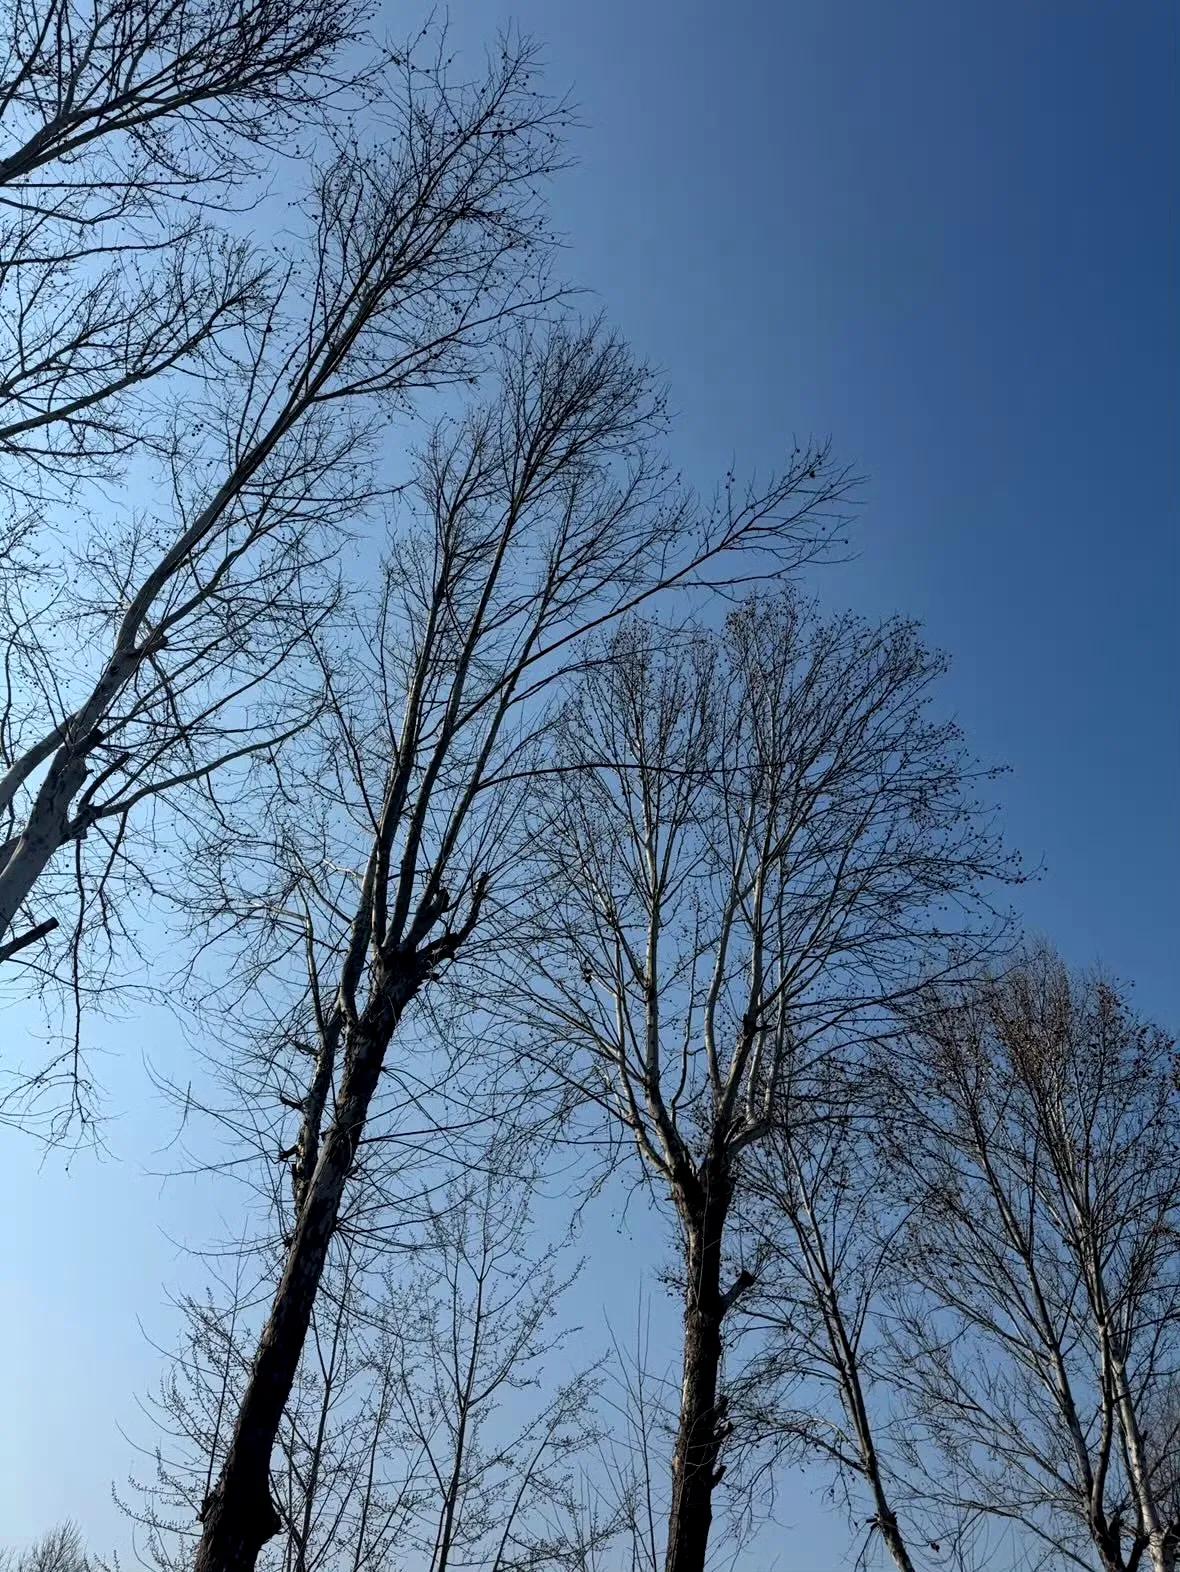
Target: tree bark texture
x: 702, y: 1426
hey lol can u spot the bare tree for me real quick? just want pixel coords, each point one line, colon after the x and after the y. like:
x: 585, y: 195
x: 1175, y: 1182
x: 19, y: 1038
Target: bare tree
x: 643, y: 1408
x: 120, y: 122
x: 419, y: 249
x: 59, y: 1549
x: 341, y: 1483
x: 436, y: 1421
x: 539, y: 518
x: 829, y: 1234
x: 474, y: 1326
x: 763, y: 840
x: 1041, y: 1139
x: 167, y: 93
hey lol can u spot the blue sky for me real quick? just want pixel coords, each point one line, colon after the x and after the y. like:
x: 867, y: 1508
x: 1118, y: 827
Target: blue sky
x: 945, y: 234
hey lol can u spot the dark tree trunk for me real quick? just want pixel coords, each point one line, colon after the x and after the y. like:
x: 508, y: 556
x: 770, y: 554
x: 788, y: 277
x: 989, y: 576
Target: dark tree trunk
x: 892, y: 1535
x: 854, y: 1397
x: 703, y: 1425
x: 239, y: 1516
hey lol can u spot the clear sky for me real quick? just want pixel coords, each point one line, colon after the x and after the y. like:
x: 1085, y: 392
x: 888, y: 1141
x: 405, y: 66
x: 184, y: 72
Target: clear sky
x: 946, y: 234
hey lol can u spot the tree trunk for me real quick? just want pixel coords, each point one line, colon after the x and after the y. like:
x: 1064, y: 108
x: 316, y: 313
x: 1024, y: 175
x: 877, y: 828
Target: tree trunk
x: 1161, y: 1544
x: 26, y: 856
x: 702, y: 1427
x: 239, y: 1516
x: 890, y: 1532
x: 886, y: 1519
x: 858, y: 1410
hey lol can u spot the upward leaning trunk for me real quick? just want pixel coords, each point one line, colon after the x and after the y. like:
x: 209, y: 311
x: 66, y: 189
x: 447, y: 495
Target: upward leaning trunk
x: 239, y: 1516
x: 702, y: 1426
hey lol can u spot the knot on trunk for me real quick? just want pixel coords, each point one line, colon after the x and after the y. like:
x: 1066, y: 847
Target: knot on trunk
x: 733, y: 1293
x: 719, y: 1424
